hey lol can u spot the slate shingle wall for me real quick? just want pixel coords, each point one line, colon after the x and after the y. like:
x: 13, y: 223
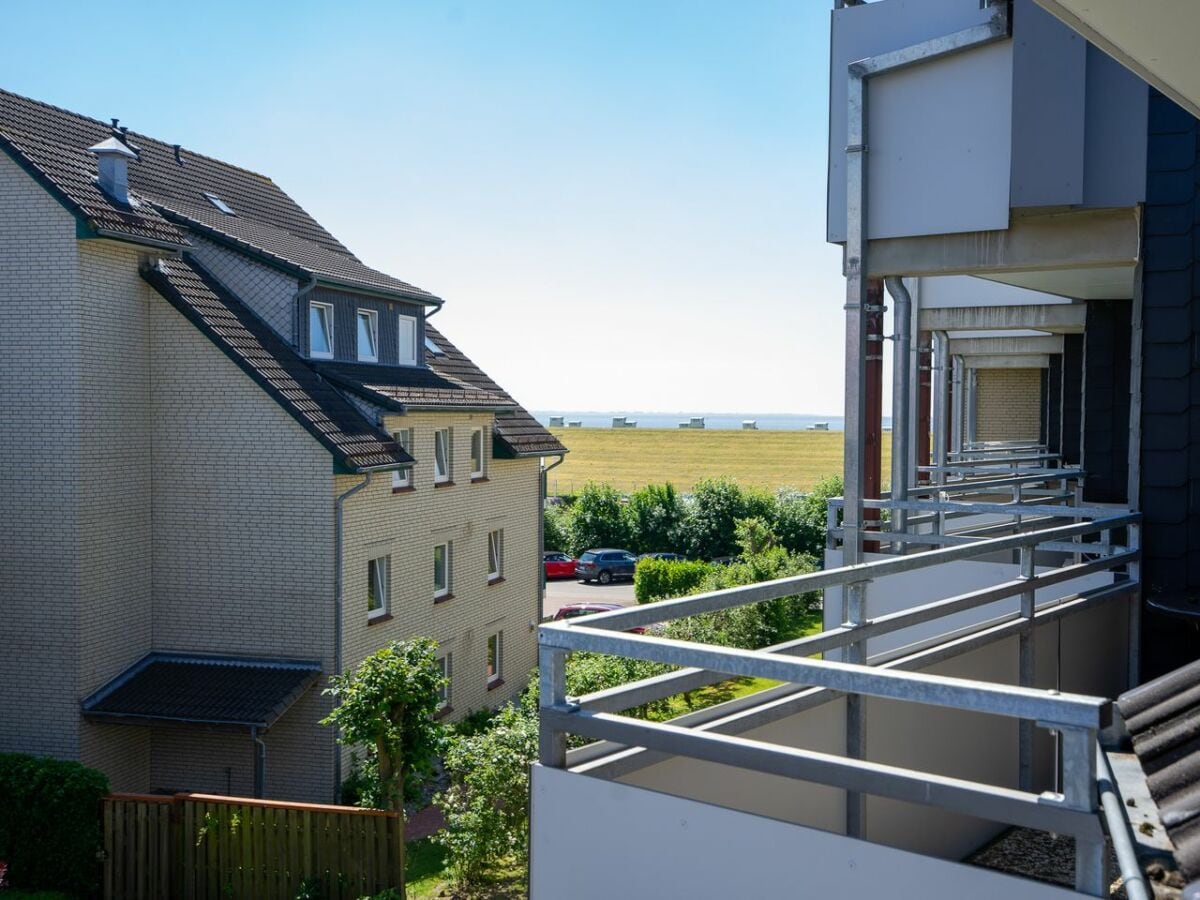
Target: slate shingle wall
x: 1072, y: 407
x: 268, y: 292
x: 1106, y: 402
x: 1170, y: 464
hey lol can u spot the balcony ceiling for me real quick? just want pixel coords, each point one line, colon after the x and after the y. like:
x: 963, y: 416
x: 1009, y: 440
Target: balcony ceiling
x: 1156, y: 39
x: 1093, y: 283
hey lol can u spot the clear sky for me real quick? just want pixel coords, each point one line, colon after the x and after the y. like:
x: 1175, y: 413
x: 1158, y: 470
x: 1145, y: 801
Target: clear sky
x: 621, y: 202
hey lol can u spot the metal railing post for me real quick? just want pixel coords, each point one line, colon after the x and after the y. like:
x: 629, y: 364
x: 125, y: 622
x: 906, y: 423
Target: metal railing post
x: 1134, y: 542
x: 1026, y: 670
x: 1080, y: 792
x: 552, y: 687
x: 854, y: 613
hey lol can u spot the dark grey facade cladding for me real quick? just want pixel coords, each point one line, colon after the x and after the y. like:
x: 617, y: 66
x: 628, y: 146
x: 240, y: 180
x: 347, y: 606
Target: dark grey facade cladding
x: 1107, y: 339
x: 345, y: 324
x: 1072, y: 406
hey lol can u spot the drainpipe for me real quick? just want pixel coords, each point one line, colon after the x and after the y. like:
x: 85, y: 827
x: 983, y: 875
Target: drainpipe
x: 941, y: 396
x: 338, y: 600
x: 901, y: 395
x: 542, y: 490
x: 296, y: 317
x: 260, y: 762
x: 957, y: 390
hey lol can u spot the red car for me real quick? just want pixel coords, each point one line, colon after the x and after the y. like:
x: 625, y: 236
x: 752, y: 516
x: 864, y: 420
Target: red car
x: 572, y: 610
x: 558, y: 565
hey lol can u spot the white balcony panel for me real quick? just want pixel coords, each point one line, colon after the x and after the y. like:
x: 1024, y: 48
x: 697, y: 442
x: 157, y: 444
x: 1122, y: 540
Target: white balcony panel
x: 597, y: 839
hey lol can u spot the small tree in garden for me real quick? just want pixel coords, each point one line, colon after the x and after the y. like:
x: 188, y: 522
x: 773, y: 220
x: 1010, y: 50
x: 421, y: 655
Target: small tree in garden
x: 598, y: 519
x: 386, y: 707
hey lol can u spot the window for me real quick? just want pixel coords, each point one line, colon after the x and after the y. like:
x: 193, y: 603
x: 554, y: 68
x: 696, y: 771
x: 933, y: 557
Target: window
x: 320, y: 330
x: 377, y: 587
x: 219, y: 204
x: 477, y: 453
x: 446, y: 664
x: 432, y: 347
x: 495, y: 555
x: 402, y: 478
x: 495, y: 659
x: 441, y: 456
x: 441, y: 571
x: 407, y: 341
x: 368, y: 335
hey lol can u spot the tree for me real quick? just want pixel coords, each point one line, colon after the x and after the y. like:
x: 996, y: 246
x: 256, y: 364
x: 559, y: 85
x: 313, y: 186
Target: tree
x: 598, y: 519
x: 386, y: 706
x: 712, y: 515
x: 556, y: 532
x: 800, y: 518
x: 655, y: 515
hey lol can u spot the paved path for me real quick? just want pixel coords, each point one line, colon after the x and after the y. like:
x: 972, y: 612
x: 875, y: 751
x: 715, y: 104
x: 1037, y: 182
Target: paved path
x: 560, y: 592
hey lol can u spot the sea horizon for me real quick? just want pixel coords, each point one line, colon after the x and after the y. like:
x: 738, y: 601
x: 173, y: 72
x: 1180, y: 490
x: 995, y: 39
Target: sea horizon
x: 718, y: 421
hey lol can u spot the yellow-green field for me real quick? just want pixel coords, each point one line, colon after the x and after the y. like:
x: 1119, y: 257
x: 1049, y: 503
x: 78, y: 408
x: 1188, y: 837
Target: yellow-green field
x: 633, y: 457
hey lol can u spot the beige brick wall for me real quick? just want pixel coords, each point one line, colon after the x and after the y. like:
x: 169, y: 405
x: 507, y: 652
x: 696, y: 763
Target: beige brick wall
x: 1008, y: 404
x: 40, y: 403
x: 406, y: 526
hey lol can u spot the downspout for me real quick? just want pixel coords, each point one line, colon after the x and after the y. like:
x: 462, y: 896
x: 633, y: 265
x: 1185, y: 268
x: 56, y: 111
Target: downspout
x: 260, y: 762
x: 941, y: 397
x: 901, y: 395
x: 338, y: 601
x: 542, y: 491
x: 296, y: 318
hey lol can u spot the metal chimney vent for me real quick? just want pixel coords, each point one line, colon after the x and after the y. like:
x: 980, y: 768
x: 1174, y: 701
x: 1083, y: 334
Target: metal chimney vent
x: 112, y: 159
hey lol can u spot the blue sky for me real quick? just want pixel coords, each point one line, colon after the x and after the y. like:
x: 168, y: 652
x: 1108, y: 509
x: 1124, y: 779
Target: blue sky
x: 621, y: 202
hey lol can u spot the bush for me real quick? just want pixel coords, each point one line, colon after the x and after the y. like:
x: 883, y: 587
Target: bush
x: 655, y: 516
x: 717, y: 504
x: 658, y: 579
x: 800, y: 518
x: 50, y: 823
x: 556, y: 532
x: 598, y: 520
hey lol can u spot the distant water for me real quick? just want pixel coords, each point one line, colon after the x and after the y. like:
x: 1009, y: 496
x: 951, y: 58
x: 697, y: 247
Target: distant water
x: 717, y: 421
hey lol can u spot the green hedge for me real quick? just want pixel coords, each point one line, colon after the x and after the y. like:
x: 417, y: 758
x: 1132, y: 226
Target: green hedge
x: 50, y: 823
x: 658, y: 579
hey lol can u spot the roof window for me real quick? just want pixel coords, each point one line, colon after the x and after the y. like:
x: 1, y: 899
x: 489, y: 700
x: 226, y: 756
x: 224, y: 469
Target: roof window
x: 219, y: 204
x: 433, y: 348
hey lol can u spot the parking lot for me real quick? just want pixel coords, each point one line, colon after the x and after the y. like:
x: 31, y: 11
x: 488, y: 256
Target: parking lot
x: 561, y: 591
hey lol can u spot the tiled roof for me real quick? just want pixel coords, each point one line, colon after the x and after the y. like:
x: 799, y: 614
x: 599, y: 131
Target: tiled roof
x: 354, y: 442
x: 207, y: 690
x: 411, y: 387
x: 282, y: 248
x: 518, y: 432
x: 1163, y: 719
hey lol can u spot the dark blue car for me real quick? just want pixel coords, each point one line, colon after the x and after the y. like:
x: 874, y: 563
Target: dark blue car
x: 604, y: 565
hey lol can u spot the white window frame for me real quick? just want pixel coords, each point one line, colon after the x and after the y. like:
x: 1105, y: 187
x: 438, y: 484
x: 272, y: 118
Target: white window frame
x: 447, y: 548
x: 497, y: 674
x: 447, y: 665
x: 496, y: 554
x: 377, y: 582
x: 372, y: 318
x: 328, y: 307
x: 412, y: 359
x: 445, y: 476
x: 479, y: 466
x: 402, y: 478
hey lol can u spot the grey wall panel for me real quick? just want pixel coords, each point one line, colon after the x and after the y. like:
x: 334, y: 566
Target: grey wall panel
x: 1049, y: 80
x: 862, y: 31
x: 1115, y: 155
x: 345, y: 331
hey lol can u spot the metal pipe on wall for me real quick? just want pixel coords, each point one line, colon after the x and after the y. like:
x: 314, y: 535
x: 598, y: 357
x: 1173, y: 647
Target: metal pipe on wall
x: 941, y: 400
x: 901, y: 394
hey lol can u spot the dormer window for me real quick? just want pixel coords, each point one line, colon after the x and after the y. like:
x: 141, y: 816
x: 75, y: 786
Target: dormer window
x: 407, y: 344
x: 368, y: 335
x: 219, y: 204
x: 320, y: 330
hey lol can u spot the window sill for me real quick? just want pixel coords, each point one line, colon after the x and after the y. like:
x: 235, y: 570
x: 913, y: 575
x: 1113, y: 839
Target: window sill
x: 479, y: 479
x: 442, y: 484
x: 494, y: 683
x: 403, y: 490
x: 443, y: 598
x: 499, y: 579
x: 443, y: 712
x: 375, y: 620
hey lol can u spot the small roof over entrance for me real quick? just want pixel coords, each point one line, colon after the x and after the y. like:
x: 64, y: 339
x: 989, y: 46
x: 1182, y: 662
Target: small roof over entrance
x: 216, y: 691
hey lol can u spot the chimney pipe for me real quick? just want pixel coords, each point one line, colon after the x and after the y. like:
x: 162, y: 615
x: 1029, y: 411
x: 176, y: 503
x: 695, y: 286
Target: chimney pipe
x: 112, y: 160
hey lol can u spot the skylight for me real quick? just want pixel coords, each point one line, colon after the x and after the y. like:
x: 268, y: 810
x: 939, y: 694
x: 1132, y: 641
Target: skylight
x: 433, y: 348
x: 219, y: 204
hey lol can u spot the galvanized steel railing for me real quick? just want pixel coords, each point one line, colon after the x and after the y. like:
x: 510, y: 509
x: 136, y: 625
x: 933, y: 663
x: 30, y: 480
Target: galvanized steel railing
x: 1075, y: 718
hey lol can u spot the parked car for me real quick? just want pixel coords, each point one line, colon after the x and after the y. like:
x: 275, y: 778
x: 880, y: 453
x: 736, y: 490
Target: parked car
x: 604, y: 565
x: 669, y: 557
x: 558, y: 564
x: 573, y: 610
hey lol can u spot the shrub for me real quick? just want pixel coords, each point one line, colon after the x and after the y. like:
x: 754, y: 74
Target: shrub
x: 556, y: 532
x: 50, y: 823
x: 655, y: 516
x: 800, y: 518
x: 598, y: 520
x: 658, y: 579
x: 709, y: 530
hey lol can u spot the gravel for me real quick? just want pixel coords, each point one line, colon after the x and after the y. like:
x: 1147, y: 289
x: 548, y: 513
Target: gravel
x: 1039, y: 855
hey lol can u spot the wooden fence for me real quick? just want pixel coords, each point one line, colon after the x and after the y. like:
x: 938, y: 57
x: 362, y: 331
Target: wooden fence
x: 206, y: 846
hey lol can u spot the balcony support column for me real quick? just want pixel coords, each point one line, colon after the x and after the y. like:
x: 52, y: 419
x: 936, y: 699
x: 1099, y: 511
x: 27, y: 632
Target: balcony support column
x: 854, y: 612
x: 1025, y: 672
x: 552, y: 688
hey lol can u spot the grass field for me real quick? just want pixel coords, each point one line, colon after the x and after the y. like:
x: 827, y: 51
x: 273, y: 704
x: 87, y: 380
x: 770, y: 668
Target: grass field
x: 631, y: 458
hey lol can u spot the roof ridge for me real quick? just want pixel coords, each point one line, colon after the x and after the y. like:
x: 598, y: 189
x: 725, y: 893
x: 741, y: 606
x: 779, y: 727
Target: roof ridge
x: 145, y: 137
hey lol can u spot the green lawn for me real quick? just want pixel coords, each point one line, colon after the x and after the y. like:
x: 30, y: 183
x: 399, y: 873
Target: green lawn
x: 631, y: 458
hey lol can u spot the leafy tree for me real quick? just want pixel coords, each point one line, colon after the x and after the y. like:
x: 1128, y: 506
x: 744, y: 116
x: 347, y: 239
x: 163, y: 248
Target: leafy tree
x: 754, y: 536
x: 800, y: 518
x: 487, y: 803
x: 556, y: 532
x: 716, y: 506
x: 386, y: 707
x: 598, y: 519
x: 655, y: 516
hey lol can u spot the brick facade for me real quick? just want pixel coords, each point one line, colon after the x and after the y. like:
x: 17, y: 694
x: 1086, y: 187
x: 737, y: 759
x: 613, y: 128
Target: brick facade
x: 1008, y: 404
